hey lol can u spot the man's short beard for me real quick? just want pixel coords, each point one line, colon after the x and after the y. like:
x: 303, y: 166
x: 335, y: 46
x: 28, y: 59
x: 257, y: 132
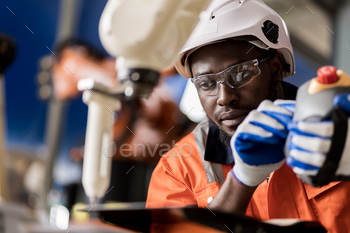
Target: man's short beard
x: 225, y: 138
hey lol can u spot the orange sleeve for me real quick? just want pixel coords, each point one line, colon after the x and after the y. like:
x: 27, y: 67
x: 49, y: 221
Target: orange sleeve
x: 167, y: 189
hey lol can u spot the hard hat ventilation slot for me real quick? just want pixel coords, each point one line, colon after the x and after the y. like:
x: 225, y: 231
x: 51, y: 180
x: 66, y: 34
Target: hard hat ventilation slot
x: 271, y: 31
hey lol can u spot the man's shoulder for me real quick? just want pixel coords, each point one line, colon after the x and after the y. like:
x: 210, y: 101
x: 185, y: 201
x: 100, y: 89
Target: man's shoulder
x: 198, y: 133
x: 186, y: 152
x: 192, y: 142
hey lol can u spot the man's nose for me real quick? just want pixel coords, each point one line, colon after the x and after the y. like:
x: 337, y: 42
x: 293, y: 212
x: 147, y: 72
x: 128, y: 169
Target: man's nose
x: 226, y: 96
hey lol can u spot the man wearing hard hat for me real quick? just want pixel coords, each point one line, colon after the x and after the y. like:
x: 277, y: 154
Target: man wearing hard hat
x: 237, y: 58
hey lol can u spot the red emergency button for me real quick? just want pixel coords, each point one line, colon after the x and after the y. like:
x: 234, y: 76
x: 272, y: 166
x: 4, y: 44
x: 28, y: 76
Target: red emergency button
x: 327, y: 74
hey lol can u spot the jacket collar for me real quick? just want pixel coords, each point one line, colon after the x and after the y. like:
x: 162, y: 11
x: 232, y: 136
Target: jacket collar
x: 215, y: 150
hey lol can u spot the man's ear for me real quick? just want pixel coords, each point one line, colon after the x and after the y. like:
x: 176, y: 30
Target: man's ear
x: 276, y: 64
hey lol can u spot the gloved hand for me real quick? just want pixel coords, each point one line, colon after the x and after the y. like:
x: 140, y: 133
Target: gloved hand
x: 311, y: 141
x: 258, y: 142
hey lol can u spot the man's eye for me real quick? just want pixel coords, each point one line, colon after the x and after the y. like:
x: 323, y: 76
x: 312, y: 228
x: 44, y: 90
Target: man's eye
x: 207, y: 85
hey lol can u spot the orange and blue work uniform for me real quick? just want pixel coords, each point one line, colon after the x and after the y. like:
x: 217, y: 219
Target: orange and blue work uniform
x: 195, y: 169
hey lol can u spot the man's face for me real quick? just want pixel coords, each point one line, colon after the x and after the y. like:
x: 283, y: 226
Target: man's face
x: 230, y: 106
x: 76, y: 64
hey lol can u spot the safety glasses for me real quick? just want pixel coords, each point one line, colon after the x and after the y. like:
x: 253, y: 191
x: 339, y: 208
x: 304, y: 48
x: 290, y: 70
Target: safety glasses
x: 235, y: 76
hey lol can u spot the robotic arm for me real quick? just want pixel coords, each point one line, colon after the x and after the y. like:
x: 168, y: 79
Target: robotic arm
x: 146, y: 36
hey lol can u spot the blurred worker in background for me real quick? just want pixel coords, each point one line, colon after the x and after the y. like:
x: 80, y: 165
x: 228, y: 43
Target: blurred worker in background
x: 144, y: 129
x: 73, y: 54
x: 233, y: 161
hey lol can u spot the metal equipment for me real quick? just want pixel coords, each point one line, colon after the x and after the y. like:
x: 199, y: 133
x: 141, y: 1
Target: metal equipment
x: 146, y: 36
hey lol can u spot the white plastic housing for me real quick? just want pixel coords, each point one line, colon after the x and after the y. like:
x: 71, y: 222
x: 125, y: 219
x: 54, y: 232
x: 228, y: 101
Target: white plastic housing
x: 97, y: 152
x: 148, y: 33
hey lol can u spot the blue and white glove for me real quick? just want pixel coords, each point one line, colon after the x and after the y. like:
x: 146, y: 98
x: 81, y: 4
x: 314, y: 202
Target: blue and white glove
x: 311, y: 141
x: 258, y: 142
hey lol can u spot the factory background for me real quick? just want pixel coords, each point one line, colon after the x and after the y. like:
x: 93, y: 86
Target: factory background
x: 36, y: 124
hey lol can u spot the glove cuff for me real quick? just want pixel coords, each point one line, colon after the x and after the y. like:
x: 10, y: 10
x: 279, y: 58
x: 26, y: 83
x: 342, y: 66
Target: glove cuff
x: 232, y: 172
x: 252, y: 176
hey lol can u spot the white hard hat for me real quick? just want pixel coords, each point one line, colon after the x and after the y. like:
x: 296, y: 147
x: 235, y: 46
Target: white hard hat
x: 249, y: 20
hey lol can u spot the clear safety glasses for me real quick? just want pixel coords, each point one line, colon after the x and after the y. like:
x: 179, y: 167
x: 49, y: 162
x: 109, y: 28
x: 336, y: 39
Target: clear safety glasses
x: 235, y: 76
